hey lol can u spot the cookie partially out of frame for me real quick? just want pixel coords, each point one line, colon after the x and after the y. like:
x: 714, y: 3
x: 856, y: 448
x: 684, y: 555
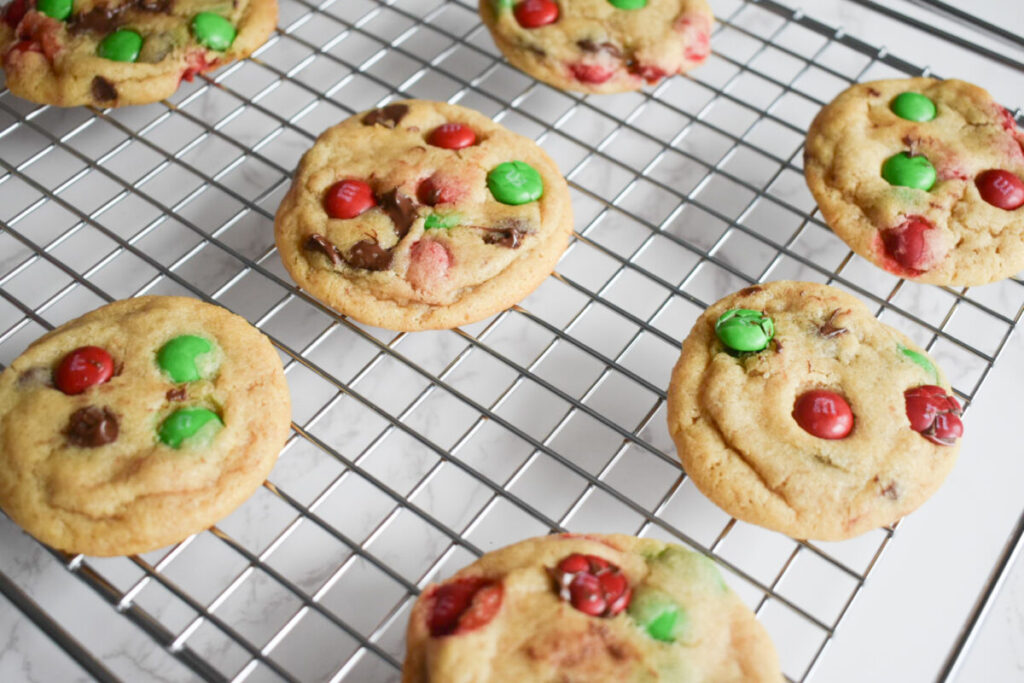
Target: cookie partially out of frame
x: 794, y: 408
x: 600, y: 46
x: 423, y: 215
x: 587, y: 609
x: 138, y: 424
x: 923, y: 178
x: 111, y: 53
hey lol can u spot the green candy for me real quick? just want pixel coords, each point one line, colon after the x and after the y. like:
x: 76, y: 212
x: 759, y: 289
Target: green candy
x: 515, y: 183
x: 447, y: 221
x: 904, y: 170
x: 921, y: 360
x: 659, y: 615
x: 195, y: 425
x: 213, y: 31
x: 744, y: 330
x: 122, y: 45
x: 58, y: 9
x: 913, y: 106
x: 629, y: 4
x: 186, y: 359
x: 500, y: 5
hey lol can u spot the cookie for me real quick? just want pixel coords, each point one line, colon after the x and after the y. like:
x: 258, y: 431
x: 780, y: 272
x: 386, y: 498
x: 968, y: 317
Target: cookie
x: 111, y: 53
x: 139, y: 424
x: 922, y: 178
x: 586, y: 609
x: 600, y: 46
x: 423, y: 215
x: 794, y: 408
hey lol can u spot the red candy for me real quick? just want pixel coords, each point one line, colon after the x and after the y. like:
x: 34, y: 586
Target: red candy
x: 84, y: 367
x: 934, y: 413
x: 591, y: 73
x: 348, y: 199
x: 14, y: 12
x: 907, y: 244
x: 463, y: 605
x: 429, y: 261
x: 650, y: 73
x: 1001, y: 189
x: 592, y: 584
x: 536, y: 13
x: 824, y: 414
x: 433, y: 191
x: 452, y: 136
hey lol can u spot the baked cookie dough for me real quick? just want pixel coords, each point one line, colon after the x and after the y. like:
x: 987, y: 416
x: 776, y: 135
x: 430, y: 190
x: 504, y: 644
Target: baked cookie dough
x: 423, y: 215
x: 922, y: 178
x: 138, y: 424
x: 600, y: 46
x: 794, y: 408
x: 587, y: 609
x: 111, y: 53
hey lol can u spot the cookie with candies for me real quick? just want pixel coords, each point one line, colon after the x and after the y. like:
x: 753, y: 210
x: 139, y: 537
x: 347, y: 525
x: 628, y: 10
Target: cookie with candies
x: 423, y: 215
x: 923, y: 178
x: 138, y: 424
x: 794, y: 408
x: 587, y: 608
x: 111, y: 53
x: 600, y: 46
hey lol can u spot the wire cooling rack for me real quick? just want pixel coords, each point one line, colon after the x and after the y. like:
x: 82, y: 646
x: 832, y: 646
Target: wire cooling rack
x: 414, y: 453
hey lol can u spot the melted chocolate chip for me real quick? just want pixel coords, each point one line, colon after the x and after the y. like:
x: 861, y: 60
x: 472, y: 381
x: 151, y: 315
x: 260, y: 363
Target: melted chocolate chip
x: 388, y: 116
x: 751, y: 290
x: 830, y: 330
x: 103, y: 90
x: 317, y: 242
x: 177, y: 394
x: 103, y: 20
x: 588, y: 45
x: 873, y: 92
x: 891, y: 492
x: 505, y: 238
x: 369, y: 255
x: 91, y: 427
x: 401, y: 210
x: 35, y: 377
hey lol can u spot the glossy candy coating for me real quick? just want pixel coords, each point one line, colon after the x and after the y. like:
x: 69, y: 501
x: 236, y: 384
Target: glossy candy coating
x: 452, y: 136
x: 348, y: 199
x: 744, y: 330
x: 185, y: 423
x: 907, y: 244
x: 58, y: 9
x: 515, y: 183
x: 536, y: 13
x: 658, y: 614
x: 463, y: 605
x: 629, y: 4
x: 84, y: 367
x: 1001, y: 189
x: 824, y: 414
x: 934, y: 413
x: 913, y: 106
x: 122, y: 45
x: 178, y: 357
x: 592, y: 584
x: 437, y: 221
x: 213, y: 31
x: 904, y: 170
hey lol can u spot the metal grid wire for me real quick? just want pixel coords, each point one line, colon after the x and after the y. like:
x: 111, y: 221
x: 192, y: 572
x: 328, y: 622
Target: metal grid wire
x: 414, y: 453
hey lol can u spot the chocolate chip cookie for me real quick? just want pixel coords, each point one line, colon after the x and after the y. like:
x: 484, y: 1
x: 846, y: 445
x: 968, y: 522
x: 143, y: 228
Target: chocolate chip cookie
x: 794, y: 408
x: 423, y: 215
x: 111, y: 53
x: 922, y: 178
x: 600, y: 46
x: 138, y: 424
x: 586, y: 608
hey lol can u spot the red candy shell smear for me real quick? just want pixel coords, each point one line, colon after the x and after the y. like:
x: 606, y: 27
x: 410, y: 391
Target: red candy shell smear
x: 452, y: 136
x: 934, y: 413
x: 348, y: 199
x: 908, y: 244
x: 592, y: 584
x: 1001, y: 189
x: 429, y: 261
x: 434, y: 190
x: 824, y: 414
x: 82, y: 368
x: 650, y: 73
x: 591, y: 73
x: 463, y: 605
x: 536, y: 13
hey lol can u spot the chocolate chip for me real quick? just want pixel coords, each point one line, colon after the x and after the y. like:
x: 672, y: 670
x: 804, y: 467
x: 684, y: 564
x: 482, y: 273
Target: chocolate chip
x: 35, y: 377
x: 748, y: 291
x: 388, y: 116
x: 505, y: 238
x: 588, y: 45
x: 873, y: 92
x: 369, y: 255
x: 177, y: 394
x: 316, y: 242
x: 100, y: 20
x: 91, y: 427
x: 891, y: 492
x: 400, y: 208
x: 830, y: 330
x: 103, y: 90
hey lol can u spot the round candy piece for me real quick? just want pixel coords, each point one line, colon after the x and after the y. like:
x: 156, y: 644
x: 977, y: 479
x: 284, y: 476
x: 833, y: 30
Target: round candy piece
x: 187, y: 423
x: 180, y: 358
x: 824, y: 414
x: 515, y: 183
x: 908, y: 243
x: 536, y: 13
x: 452, y: 136
x: 629, y: 4
x: 744, y: 330
x: 934, y: 413
x: 592, y: 584
x: 348, y: 199
x: 1001, y: 188
x: 84, y: 367
x: 659, y: 615
x: 904, y: 170
x: 58, y: 9
x: 213, y: 31
x: 122, y: 45
x: 913, y: 106
x: 462, y: 605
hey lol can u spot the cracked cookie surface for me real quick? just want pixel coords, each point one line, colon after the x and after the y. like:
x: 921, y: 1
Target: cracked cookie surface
x: 951, y: 211
x: 538, y: 611
x: 138, y: 424
x: 600, y: 46
x: 768, y: 436
x: 423, y: 215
